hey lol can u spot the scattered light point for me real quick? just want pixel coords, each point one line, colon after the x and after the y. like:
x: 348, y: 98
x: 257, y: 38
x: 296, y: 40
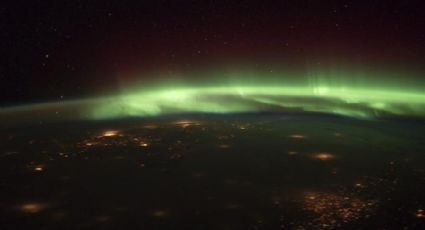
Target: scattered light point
x: 297, y: 136
x: 110, y: 133
x: 323, y: 156
x: 32, y: 207
x: 292, y: 153
x: 420, y: 213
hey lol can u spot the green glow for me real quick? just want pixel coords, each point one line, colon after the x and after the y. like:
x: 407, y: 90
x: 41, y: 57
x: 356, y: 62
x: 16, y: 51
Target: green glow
x: 353, y: 93
x: 231, y: 99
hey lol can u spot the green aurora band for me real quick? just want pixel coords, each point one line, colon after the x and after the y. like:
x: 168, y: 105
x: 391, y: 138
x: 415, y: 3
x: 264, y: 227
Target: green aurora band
x: 357, y: 94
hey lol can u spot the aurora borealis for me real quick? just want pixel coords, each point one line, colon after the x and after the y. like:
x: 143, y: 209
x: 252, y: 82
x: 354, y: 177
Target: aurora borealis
x: 265, y: 92
x: 109, y: 60
x: 358, y: 94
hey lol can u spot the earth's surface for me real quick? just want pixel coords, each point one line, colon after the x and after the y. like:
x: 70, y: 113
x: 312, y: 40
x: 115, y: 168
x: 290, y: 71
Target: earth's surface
x: 215, y: 172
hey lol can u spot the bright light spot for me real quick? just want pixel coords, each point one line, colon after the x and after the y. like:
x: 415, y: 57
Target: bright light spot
x: 38, y: 167
x: 358, y: 185
x: 323, y: 156
x: 110, y: 133
x: 420, y: 213
x: 32, y: 207
x: 297, y: 136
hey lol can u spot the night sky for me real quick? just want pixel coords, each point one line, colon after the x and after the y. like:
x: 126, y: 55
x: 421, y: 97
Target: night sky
x: 60, y: 50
